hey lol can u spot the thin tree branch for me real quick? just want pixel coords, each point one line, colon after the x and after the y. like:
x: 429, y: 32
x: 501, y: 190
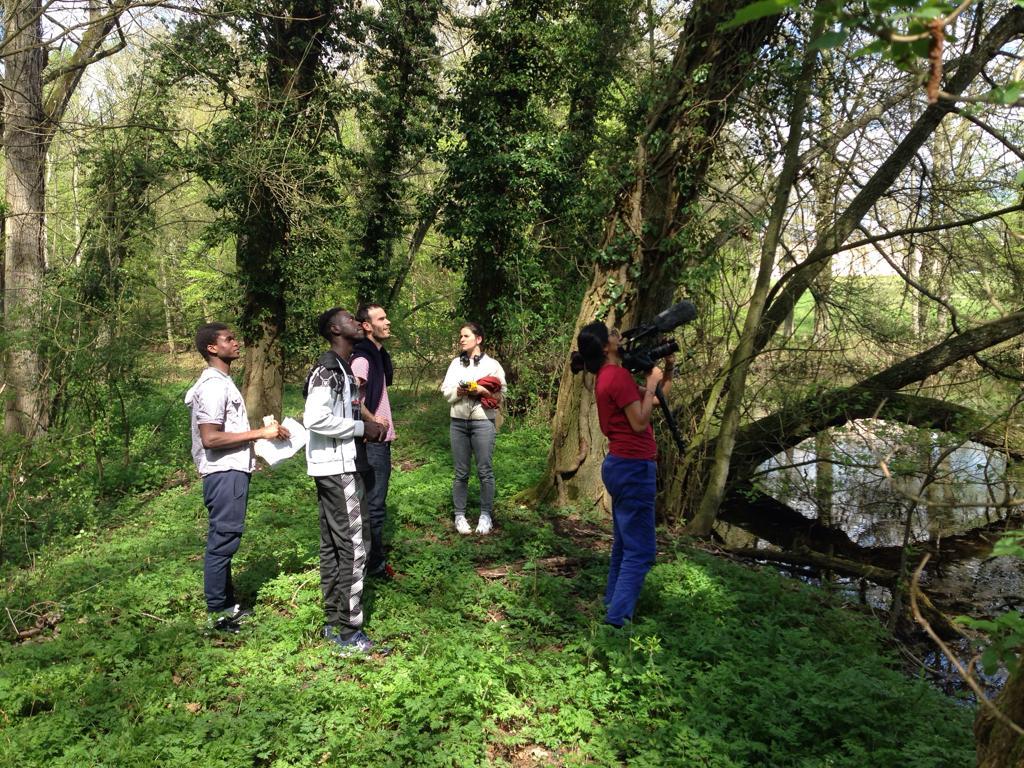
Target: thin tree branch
x: 915, y: 590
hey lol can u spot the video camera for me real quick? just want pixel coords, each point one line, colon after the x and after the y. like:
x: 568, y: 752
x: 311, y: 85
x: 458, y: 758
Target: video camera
x: 643, y: 345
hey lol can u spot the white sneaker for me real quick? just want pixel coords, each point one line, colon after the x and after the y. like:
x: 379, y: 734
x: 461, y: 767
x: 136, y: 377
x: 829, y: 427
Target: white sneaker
x: 462, y: 525
x: 484, y: 526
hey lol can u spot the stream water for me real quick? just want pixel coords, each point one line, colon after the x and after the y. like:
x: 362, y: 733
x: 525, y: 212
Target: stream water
x: 882, y: 484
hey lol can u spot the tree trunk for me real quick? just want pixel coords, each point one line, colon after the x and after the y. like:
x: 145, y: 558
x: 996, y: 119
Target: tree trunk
x: 264, y: 374
x: 268, y: 239
x: 824, y: 476
x: 999, y: 746
x: 577, y: 444
x: 29, y: 123
x: 263, y: 321
x: 785, y: 294
x: 825, y: 184
x: 25, y: 142
x: 742, y: 357
x: 645, y: 241
x: 426, y: 220
x: 165, y: 291
x: 879, y: 395
x: 933, y: 248
x: 767, y: 518
x: 402, y: 64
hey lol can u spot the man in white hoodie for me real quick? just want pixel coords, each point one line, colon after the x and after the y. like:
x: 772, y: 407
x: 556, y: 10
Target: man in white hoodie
x: 333, y: 419
x: 222, y: 450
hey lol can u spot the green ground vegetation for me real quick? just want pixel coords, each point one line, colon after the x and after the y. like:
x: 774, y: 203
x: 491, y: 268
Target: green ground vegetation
x: 499, y: 657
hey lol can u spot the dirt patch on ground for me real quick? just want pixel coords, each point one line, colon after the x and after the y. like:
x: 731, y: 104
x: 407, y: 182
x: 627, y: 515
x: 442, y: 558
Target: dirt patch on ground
x: 583, y: 534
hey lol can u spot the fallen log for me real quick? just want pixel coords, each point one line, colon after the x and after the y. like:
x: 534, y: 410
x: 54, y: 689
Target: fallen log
x: 839, y: 565
x: 940, y: 622
x: 550, y: 564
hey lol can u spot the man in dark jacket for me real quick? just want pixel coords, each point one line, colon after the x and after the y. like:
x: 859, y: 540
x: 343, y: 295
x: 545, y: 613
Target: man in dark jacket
x: 371, y: 365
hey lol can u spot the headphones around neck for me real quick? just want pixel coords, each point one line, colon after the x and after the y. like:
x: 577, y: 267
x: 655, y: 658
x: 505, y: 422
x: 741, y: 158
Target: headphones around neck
x: 465, y: 358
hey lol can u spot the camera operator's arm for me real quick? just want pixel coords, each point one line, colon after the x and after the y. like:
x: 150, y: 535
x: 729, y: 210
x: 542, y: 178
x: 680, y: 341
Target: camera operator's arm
x: 670, y: 367
x: 638, y: 413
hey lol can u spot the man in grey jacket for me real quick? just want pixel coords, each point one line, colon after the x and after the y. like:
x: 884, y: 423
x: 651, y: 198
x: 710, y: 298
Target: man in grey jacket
x: 332, y: 416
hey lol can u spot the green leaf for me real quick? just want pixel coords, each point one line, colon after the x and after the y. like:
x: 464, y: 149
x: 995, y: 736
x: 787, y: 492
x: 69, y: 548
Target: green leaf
x: 1007, y: 94
x: 920, y: 48
x: 876, y: 47
x: 990, y: 660
x: 929, y: 12
x: 982, y: 625
x: 758, y: 10
x: 829, y: 7
x: 1013, y: 542
x: 830, y: 40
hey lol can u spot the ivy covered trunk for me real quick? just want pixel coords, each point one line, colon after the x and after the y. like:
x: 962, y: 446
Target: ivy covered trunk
x: 263, y: 318
x: 577, y: 444
x: 261, y: 250
x: 646, y: 245
x: 400, y: 127
x: 999, y: 745
x: 267, y: 161
x: 25, y: 143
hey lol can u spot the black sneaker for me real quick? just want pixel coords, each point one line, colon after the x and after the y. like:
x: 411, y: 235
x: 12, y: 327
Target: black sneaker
x: 222, y: 623
x: 236, y: 613
x: 357, y: 644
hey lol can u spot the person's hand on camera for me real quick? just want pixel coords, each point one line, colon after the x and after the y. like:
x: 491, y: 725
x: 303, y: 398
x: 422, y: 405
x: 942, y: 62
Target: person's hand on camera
x: 654, y: 378
x: 373, y: 432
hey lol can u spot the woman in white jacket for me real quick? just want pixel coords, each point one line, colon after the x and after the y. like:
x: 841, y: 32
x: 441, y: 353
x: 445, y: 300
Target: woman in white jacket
x: 474, y: 385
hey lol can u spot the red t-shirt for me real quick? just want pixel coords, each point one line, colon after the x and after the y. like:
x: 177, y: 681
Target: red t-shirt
x: 614, y: 390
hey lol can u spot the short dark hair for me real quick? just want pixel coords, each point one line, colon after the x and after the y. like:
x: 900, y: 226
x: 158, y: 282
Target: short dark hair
x: 323, y: 323
x: 363, y: 313
x: 206, y: 335
x: 590, y: 343
x: 474, y: 327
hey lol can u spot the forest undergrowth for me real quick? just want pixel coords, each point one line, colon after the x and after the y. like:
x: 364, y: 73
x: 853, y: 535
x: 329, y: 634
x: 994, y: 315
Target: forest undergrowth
x: 498, y: 654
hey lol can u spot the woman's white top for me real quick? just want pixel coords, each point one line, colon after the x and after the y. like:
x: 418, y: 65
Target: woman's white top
x: 469, y: 407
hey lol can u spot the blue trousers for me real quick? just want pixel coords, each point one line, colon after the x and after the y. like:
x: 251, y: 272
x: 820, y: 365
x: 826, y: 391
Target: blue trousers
x: 376, y: 481
x: 631, y: 484
x: 225, y: 495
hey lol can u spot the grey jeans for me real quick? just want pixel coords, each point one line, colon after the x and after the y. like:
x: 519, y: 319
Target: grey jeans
x: 476, y: 437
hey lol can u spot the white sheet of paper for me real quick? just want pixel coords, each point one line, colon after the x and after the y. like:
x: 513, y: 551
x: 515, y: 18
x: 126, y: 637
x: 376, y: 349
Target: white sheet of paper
x: 275, y: 451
